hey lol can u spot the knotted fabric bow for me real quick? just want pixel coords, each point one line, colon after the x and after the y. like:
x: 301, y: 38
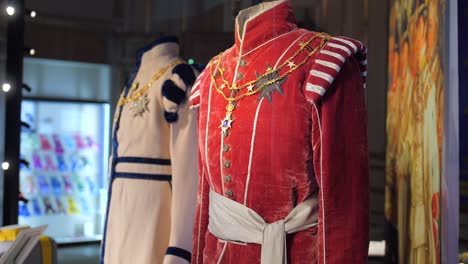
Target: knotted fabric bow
x: 232, y: 221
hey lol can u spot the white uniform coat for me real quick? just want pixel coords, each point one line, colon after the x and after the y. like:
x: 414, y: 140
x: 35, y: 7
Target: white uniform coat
x: 153, y: 167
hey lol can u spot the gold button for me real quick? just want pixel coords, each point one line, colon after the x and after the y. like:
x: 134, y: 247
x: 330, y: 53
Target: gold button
x: 225, y: 148
x: 227, y: 178
x: 229, y: 193
x: 227, y: 164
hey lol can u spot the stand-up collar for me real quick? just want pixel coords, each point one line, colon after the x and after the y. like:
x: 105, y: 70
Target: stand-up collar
x: 263, y: 22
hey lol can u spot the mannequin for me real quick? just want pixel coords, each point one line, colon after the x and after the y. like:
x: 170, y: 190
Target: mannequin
x: 284, y: 171
x: 153, y: 164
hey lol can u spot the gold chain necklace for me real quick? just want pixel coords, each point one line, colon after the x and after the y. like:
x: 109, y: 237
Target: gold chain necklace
x: 271, y: 76
x: 139, y: 98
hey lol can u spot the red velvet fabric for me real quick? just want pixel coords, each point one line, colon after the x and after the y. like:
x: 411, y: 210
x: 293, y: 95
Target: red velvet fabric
x: 282, y: 152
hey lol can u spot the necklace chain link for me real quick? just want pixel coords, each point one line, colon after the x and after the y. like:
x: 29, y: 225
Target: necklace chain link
x: 135, y: 95
x: 235, y: 88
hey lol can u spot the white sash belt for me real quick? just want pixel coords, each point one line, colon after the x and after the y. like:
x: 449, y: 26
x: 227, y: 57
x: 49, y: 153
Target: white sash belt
x: 232, y: 221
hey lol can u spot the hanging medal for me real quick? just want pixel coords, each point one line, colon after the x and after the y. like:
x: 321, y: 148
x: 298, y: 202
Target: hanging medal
x: 138, y: 97
x: 226, y: 123
x: 140, y: 105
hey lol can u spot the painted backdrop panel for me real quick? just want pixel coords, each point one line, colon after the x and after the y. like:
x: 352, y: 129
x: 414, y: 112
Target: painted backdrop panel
x: 414, y: 130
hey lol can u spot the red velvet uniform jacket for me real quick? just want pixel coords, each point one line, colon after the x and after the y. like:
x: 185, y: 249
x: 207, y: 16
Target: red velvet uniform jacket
x: 311, y: 139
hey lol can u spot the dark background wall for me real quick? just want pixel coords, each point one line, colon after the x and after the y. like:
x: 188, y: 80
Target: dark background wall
x: 2, y: 100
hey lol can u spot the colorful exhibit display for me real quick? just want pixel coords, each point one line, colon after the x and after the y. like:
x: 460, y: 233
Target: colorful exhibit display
x: 63, y: 183
x: 415, y: 130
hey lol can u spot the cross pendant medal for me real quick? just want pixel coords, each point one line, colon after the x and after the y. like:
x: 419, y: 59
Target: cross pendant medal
x: 226, y: 123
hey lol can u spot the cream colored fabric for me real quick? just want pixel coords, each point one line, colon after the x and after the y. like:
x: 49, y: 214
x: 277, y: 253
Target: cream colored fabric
x: 139, y: 221
x: 147, y: 216
x: 147, y: 135
x: 184, y: 158
x: 232, y: 221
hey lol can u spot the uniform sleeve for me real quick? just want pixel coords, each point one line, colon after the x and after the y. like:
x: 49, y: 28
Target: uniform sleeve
x: 340, y: 156
x: 201, y: 219
x: 194, y: 100
x: 201, y: 214
x: 184, y: 161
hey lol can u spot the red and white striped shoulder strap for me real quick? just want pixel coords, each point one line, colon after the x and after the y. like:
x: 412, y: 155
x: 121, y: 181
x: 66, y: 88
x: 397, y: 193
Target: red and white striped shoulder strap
x: 194, y: 100
x: 329, y: 62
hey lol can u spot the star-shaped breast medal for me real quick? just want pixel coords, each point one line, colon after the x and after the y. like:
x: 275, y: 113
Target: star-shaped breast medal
x: 267, y: 90
x: 140, y: 105
x: 226, y: 123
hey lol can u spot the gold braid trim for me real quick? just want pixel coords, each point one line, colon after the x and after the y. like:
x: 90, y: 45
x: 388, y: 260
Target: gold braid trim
x: 135, y: 95
x: 303, y: 46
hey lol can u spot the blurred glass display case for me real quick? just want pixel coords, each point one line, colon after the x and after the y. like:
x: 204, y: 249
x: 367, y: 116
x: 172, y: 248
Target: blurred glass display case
x: 64, y: 185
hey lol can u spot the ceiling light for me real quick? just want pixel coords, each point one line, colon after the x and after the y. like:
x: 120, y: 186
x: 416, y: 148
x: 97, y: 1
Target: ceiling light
x: 10, y: 10
x: 6, y: 87
x: 5, y: 165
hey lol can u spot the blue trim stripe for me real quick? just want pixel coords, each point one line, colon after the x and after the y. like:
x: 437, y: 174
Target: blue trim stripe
x: 179, y: 252
x: 199, y: 67
x: 186, y: 73
x: 171, y: 117
x: 142, y: 176
x: 143, y: 160
x: 172, y: 92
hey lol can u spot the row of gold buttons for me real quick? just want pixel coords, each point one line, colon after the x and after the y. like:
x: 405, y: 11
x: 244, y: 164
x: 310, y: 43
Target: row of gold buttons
x: 226, y: 148
x: 227, y: 165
